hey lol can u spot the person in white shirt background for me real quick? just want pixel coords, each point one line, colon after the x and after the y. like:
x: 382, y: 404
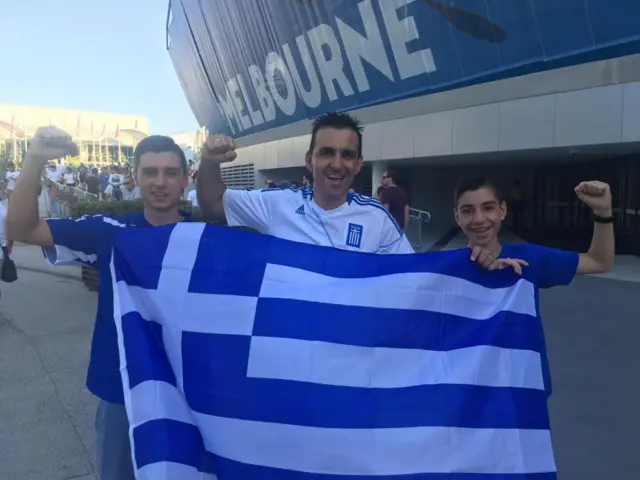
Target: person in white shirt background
x: 69, y: 178
x: 3, y: 237
x: 192, y: 196
x: 326, y: 214
x: 10, y: 178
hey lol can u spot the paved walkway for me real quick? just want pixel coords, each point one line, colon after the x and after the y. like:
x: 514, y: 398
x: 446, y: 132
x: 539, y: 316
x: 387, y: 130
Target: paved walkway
x: 46, y: 429
x: 46, y: 413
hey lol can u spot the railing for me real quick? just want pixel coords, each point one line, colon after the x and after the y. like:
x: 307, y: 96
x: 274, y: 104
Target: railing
x: 56, y: 199
x: 418, y: 220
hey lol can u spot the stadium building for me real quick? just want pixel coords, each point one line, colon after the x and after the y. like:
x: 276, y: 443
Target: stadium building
x: 544, y: 92
x: 102, y: 137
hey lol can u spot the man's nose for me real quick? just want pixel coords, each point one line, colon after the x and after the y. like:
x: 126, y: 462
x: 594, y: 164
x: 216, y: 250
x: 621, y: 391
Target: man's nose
x: 160, y: 179
x: 336, y: 160
x: 478, y: 216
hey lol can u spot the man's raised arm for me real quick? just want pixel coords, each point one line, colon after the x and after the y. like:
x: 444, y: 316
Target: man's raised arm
x: 23, y: 219
x: 209, y: 185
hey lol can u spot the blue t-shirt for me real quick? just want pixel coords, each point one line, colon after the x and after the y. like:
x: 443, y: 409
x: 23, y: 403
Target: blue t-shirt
x: 89, y: 240
x: 104, y: 181
x: 548, y: 267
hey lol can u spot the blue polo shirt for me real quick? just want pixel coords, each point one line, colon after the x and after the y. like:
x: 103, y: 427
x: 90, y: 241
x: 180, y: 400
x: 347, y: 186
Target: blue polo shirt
x: 89, y: 241
x: 548, y: 267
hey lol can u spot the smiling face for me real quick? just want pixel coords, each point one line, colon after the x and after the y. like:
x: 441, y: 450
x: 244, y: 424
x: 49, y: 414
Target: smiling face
x: 479, y: 213
x: 334, y: 163
x: 162, y: 179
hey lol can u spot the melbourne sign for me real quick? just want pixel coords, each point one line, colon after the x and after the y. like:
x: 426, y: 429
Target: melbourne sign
x: 252, y: 65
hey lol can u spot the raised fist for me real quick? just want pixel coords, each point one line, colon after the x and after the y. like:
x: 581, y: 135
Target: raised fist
x: 596, y: 195
x: 219, y: 149
x: 50, y: 143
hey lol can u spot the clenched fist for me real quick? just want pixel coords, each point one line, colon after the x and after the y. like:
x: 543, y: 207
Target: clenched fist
x: 50, y: 143
x: 597, y: 195
x: 219, y: 149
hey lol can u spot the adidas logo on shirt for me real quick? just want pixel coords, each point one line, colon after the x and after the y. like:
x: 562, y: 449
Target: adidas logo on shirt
x: 300, y: 210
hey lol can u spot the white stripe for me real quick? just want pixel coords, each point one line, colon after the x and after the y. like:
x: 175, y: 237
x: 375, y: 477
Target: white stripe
x: 129, y: 399
x: 180, y: 257
x: 175, y: 276
x: 354, y: 366
x: 197, y: 312
x: 170, y: 471
x: 59, y: 255
x: 114, y: 222
x: 174, y: 406
x: 387, y: 451
x: 409, y: 291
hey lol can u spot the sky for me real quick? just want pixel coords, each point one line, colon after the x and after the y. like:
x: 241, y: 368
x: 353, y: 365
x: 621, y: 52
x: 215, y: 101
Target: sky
x: 99, y: 55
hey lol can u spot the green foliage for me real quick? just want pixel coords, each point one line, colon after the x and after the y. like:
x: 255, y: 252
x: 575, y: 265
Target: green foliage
x: 123, y: 208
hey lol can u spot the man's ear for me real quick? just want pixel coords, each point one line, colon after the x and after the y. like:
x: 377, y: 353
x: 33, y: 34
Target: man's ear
x: 308, y: 161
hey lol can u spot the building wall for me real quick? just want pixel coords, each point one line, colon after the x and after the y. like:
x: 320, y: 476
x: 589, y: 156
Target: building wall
x: 595, y: 103
x: 84, y: 125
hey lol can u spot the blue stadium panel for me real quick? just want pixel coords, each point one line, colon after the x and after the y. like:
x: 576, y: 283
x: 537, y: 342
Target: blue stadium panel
x: 252, y: 65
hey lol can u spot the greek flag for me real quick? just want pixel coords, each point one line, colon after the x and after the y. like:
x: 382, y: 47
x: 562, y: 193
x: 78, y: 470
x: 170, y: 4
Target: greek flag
x: 246, y: 357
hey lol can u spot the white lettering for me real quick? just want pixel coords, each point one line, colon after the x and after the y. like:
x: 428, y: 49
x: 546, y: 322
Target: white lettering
x: 256, y: 115
x: 313, y: 96
x: 369, y: 47
x: 331, y: 67
x: 286, y: 102
x: 234, y: 89
x: 402, y: 32
x: 228, y: 109
x: 264, y: 98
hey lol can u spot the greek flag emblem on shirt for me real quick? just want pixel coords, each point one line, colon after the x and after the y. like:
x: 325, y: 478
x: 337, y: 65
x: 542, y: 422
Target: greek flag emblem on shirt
x: 354, y: 235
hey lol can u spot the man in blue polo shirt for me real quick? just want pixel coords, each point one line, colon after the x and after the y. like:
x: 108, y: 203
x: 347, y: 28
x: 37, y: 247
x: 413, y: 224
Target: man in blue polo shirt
x: 160, y: 169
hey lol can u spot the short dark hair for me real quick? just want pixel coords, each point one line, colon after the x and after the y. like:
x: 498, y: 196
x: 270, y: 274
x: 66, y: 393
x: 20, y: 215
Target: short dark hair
x: 392, y: 175
x: 336, y: 120
x: 471, y: 185
x: 158, y: 144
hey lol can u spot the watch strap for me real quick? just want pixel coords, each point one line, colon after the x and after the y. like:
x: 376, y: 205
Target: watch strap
x: 599, y: 219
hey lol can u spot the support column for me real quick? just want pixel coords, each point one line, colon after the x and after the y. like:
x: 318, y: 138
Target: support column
x: 377, y: 170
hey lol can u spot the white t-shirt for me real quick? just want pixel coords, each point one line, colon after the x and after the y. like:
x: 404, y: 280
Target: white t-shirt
x: 3, y: 219
x: 192, y: 197
x: 361, y: 224
x: 11, y: 178
x: 69, y: 178
x: 60, y: 169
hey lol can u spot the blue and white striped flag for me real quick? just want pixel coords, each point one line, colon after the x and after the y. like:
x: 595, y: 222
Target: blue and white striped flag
x: 253, y: 358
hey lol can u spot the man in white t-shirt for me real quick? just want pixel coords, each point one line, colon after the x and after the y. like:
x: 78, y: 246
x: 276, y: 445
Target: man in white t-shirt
x: 10, y: 177
x: 326, y: 214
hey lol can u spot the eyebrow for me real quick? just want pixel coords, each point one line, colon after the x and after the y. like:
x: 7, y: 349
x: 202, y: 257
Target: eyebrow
x: 490, y: 202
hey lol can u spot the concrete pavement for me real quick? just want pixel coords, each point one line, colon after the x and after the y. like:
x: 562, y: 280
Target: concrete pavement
x: 46, y: 413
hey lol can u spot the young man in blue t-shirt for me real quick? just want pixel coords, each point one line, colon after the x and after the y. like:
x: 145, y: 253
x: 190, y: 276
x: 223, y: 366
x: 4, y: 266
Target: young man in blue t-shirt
x: 480, y: 210
x: 160, y: 170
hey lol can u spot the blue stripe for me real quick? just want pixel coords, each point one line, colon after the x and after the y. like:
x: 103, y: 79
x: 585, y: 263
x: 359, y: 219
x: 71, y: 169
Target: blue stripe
x: 177, y: 442
x: 171, y: 441
x: 216, y: 383
x: 392, y: 328
x: 372, y: 202
x: 138, y: 255
x: 241, y: 269
x: 144, y: 349
x: 344, y: 264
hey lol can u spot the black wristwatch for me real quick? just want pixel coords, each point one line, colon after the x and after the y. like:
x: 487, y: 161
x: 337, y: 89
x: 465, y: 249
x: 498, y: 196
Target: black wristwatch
x: 599, y: 219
